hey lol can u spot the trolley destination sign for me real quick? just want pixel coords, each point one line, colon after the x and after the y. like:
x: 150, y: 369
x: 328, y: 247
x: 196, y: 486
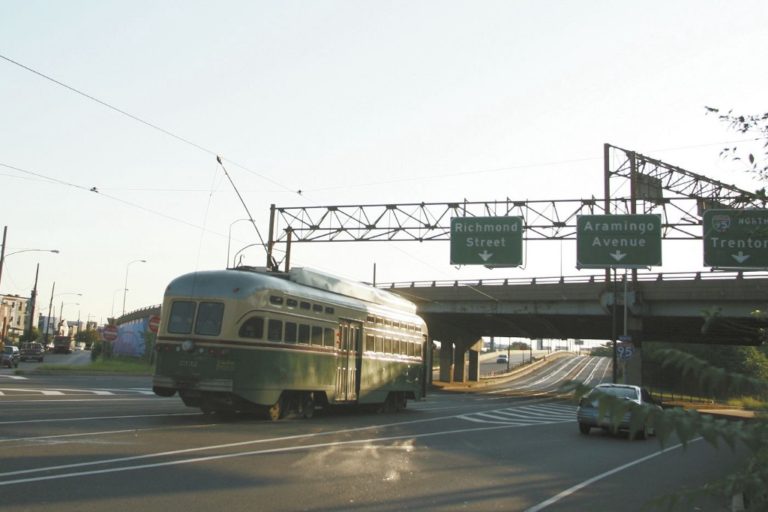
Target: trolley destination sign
x: 621, y: 241
x: 490, y: 241
x: 736, y: 238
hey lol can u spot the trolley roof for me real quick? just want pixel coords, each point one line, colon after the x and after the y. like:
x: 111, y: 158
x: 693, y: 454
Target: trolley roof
x: 244, y: 281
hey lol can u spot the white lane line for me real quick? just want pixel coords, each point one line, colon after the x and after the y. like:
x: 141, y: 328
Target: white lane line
x: 13, y: 377
x: 585, y: 483
x: 210, y: 458
x: 57, y: 420
x: 46, y: 392
x: 88, y: 391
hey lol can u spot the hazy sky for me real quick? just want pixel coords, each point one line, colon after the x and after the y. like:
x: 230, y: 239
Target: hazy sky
x: 351, y: 102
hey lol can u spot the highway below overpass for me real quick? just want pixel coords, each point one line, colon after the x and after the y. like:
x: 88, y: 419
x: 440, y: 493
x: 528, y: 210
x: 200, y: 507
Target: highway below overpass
x: 93, y: 443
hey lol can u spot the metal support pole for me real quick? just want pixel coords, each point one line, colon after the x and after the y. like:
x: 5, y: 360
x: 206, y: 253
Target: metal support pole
x: 288, y: 250
x: 613, y: 330
x: 50, y: 309
x: 2, y: 252
x: 32, y: 301
x: 271, y: 241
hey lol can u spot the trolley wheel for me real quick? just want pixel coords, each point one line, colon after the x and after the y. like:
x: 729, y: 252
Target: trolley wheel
x: 307, y: 407
x: 276, y: 410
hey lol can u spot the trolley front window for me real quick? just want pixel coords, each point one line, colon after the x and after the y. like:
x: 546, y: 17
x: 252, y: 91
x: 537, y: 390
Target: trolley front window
x: 209, y: 316
x: 182, y: 314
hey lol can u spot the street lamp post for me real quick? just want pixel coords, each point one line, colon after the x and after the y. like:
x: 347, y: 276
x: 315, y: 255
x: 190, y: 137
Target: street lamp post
x: 125, y: 288
x: 3, y: 255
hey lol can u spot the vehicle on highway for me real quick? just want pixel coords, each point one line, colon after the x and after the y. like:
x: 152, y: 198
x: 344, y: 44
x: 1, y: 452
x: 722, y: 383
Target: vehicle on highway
x: 63, y: 344
x: 589, y: 415
x: 251, y: 339
x: 32, y: 351
x: 502, y: 358
x: 10, y: 357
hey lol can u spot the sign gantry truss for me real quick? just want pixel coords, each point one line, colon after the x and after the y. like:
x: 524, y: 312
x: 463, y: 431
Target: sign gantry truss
x: 679, y: 196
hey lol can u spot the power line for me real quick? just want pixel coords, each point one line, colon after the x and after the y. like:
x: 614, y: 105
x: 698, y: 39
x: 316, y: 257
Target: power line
x: 142, y: 121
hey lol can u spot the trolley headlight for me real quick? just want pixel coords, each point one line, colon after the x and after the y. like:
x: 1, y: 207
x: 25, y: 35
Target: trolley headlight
x: 188, y: 345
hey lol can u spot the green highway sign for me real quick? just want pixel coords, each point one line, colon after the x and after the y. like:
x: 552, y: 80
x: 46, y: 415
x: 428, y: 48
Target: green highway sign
x: 621, y: 241
x: 490, y: 241
x: 736, y: 238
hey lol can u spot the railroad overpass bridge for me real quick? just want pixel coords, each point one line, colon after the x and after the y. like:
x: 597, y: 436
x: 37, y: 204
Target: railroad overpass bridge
x: 700, y: 307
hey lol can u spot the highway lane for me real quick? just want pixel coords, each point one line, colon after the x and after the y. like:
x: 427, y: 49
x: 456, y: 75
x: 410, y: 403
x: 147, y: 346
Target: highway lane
x: 92, y: 443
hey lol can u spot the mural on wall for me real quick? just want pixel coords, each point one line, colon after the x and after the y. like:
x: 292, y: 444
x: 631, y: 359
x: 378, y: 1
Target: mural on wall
x: 131, y: 338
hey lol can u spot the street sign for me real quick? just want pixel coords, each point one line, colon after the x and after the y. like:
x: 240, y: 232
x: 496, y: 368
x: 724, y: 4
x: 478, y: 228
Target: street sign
x: 736, y: 238
x: 490, y: 241
x: 154, y: 323
x: 620, y: 241
x: 625, y: 351
x: 109, y: 333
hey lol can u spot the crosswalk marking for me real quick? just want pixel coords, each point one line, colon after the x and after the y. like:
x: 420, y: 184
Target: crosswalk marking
x: 525, y: 415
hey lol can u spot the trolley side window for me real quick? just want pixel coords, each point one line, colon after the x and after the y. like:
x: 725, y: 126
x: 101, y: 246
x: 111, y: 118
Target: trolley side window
x: 317, y: 335
x: 329, y: 337
x: 275, y: 330
x: 290, y: 332
x: 253, y: 328
x: 304, y: 333
x: 182, y: 314
x: 209, y: 315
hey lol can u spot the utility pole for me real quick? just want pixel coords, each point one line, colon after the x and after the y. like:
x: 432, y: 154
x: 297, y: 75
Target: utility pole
x: 32, y: 301
x: 50, y: 308
x: 2, y: 252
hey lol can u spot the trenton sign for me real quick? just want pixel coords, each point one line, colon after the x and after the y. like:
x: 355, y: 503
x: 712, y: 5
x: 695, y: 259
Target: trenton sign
x: 736, y: 238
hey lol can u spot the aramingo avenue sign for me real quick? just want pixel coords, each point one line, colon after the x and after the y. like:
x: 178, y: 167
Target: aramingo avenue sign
x: 621, y: 241
x: 736, y: 238
x: 490, y: 241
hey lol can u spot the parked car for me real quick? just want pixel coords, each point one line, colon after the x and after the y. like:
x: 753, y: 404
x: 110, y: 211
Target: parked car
x: 502, y: 358
x: 32, y: 351
x: 10, y: 356
x: 588, y: 413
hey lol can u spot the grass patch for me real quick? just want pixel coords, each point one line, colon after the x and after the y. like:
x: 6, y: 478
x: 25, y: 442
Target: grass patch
x: 124, y: 366
x: 749, y: 403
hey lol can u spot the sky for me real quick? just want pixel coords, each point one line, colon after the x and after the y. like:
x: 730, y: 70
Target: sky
x: 349, y: 103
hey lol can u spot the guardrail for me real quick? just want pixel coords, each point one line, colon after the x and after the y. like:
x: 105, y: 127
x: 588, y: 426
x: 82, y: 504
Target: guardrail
x: 592, y: 278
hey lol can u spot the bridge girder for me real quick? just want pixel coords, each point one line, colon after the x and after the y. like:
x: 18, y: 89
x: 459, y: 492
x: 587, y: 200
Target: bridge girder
x: 679, y: 196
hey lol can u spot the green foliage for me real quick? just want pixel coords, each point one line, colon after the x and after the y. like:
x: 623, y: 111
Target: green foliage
x: 96, y: 350
x: 602, y: 351
x: 747, y: 124
x: 29, y: 336
x: 686, y: 425
x: 89, y: 337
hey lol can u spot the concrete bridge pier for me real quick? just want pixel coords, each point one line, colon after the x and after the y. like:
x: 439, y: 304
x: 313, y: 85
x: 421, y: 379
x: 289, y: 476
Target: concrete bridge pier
x: 453, y: 360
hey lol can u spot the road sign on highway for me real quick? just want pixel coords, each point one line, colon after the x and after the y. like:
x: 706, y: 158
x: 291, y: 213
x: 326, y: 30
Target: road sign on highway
x: 109, y: 333
x: 490, y: 241
x: 625, y: 351
x: 736, y: 238
x: 622, y: 241
x: 154, y: 323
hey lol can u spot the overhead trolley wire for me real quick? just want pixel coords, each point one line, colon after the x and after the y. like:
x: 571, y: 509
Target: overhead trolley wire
x: 142, y: 121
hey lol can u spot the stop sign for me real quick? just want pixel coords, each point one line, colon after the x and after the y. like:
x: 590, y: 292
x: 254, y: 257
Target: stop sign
x: 110, y: 333
x: 154, y: 323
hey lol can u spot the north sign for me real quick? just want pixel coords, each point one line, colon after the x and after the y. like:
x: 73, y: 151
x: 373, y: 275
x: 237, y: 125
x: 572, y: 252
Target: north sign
x: 736, y: 238
x: 489, y: 241
x: 618, y: 241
